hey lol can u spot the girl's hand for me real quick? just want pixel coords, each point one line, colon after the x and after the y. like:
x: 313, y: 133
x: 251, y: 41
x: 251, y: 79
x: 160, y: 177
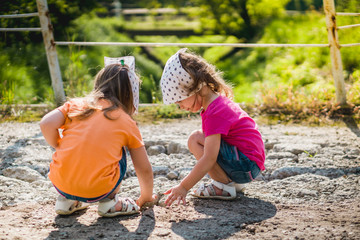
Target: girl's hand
x: 176, y: 193
x: 152, y: 201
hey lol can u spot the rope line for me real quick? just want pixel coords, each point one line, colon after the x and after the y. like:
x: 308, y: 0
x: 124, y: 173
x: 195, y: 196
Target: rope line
x: 20, y: 15
x: 347, y: 14
x: 146, y: 44
x: 350, y: 45
x: 348, y: 26
x: 19, y: 29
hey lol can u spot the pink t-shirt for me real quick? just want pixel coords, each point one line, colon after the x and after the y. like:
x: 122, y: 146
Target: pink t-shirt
x: 225, y: 117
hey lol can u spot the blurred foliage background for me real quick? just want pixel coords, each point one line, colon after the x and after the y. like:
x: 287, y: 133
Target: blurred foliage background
x: 290, y: 80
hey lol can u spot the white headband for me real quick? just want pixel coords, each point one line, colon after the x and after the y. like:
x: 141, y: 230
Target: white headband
x: 134, y: 80
x: 175, y: 81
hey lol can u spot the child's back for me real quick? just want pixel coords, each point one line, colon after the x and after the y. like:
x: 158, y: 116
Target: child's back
x: 88, y: 153
x: 89, y: 163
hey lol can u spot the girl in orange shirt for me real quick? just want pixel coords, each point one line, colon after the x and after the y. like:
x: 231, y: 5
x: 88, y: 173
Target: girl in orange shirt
x: 89, y: 162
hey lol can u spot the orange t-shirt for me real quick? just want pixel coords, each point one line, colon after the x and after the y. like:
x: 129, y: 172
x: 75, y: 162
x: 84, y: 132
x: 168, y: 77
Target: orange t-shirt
x: 86, y: 161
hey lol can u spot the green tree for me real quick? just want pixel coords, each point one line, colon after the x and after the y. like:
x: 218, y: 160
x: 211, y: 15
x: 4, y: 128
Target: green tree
x: 347, y: 5
x: 341, y: 5
x: 303, y: 5
x: 62, y: 12
x: 241, y: 18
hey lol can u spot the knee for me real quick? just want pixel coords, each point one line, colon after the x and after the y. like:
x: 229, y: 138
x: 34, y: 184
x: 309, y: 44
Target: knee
x: 195, y: 138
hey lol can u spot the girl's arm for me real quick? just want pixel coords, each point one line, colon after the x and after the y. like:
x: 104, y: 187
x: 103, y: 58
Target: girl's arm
x: 203, y: 166
x: 49, y: 126
x: 205, y: 163
x: 144, y: 173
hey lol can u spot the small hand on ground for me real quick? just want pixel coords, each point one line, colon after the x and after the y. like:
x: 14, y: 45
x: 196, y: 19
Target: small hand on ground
x: 176, y: 193
x: 141, y: 202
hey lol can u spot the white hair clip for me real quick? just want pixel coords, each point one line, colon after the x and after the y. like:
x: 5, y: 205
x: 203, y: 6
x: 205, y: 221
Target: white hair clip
x: 134, y: 80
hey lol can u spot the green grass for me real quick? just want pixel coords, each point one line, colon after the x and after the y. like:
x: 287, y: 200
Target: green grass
x: 24, y: 113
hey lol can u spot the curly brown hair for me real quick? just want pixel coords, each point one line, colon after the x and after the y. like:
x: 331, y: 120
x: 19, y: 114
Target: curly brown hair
x: 203, y: 72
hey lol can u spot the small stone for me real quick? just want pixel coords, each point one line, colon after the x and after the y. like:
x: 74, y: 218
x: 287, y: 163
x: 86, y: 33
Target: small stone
x: 156, y: 150
x: 22, y: 173
x: 160, y: 170
x: 172, y: 175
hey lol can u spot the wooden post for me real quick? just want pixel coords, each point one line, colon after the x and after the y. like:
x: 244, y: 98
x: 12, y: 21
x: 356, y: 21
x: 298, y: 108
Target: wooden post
x: 47, y: 33
x: 337, y: 68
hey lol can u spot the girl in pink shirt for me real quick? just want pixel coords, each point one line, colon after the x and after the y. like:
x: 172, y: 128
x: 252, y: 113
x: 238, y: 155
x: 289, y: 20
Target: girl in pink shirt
x: 229, y: 147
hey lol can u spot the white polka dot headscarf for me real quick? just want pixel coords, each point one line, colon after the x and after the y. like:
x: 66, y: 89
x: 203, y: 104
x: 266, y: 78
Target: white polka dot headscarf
x: 175, y: 81
x: 134, y: 80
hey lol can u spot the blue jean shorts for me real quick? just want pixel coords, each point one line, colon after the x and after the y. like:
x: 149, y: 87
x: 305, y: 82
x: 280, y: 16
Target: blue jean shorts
x: 236, y: 165
x: 122, y: 164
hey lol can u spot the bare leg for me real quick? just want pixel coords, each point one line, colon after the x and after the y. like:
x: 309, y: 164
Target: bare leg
x: 118, y: 205
x: 196, y: 146
x: 112, y: 195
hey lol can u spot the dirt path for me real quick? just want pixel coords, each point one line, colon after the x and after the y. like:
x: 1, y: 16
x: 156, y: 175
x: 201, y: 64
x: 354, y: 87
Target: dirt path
x: 310, y: 190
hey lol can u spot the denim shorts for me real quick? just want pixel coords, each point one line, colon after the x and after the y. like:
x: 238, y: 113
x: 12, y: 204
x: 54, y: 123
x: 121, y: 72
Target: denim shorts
x: 236, y: 165
x: 122, y: 164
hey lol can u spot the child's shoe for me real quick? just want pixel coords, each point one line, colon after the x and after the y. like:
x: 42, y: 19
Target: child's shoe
x: 240, y: 187
x: 65, y: 206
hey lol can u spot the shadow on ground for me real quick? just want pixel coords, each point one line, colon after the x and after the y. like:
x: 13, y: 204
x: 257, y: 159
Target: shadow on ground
x: 352, y: 125
x: 110, y: 228
x: 229, y: 216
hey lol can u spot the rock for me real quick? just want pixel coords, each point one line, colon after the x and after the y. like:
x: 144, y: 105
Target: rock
x: 43, y: 170
x: 172, y: 175
x: 354, y: 151
x: 330, y: 173
x: 286, y: 172
x: 22, y: 173
x: 269, y: 145
x: 280, y: 155
x: 150, y: 143
x: 156, y: 149
x: 18, y: 192
x: 297, y: 148
x: 173, y: 148
x: 183, y: 172
x: 42, y: 184
x: 161, y: 179
x: 160, y: 170
x: 306, y: 192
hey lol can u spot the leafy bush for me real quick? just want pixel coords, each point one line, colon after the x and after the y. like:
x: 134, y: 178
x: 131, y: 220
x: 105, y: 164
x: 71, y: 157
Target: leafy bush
x: 291, y: 71
x: 81, y: 64
x: 24, y: 77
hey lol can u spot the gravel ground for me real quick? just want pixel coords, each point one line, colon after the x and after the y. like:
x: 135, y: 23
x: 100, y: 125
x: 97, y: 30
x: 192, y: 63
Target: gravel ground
x: 310, y: 189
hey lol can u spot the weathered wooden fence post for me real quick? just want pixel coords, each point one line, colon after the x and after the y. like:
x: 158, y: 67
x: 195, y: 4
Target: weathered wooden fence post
x: 337, y: 68
x: 47, y: 33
